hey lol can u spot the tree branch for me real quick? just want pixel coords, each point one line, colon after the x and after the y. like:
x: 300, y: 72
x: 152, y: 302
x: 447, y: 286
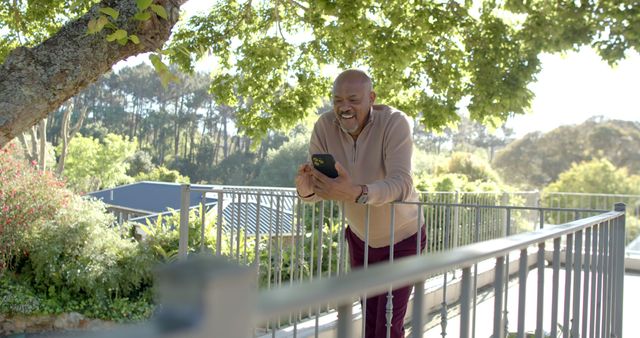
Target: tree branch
x: 35, y: 81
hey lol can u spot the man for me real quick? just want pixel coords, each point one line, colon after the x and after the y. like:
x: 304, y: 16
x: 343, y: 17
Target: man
x: 372, y: 146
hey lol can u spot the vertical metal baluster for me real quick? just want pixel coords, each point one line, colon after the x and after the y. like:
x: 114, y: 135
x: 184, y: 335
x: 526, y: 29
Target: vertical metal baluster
x: 239, y: 226
x: 246, y: 227
x: 417, y: 320
x: 555, y: 287
x: 366, y: 265
x: 444, y: 309
x: 420, y: 223
x: 600, y: 279
x: 302, y: 229
x: 330, y: 239
x: 183, y: 241
x: 256, y: 253
x: 270, y: 243
x: 567, y: 284
x: 465, y: 297
x: 389, y: 314
x: 522, y: 296
x: 506, y: 277
x: 330, y: 243
x: 313, y: 245
x: 609, y: 279
x: 342, y: 258
x: 475, y: 272
x: 292, y: 253
x: 297, y: 208
x: 233, y: 205
x: 593, y: 264
x: 418, y: 292
x: 345, y: 325
x: 619, y: 228
x: 577, y: 267
x: 203, y: 219
x: 540, y: 295
x: 498, y: 292
x: 585, y: 290
x: 319, y: 260
x: 279, y: 243
x: 455, y: 222
x: 219, y: 225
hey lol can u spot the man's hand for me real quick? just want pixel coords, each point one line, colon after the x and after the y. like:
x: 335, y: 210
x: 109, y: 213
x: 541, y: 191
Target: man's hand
x: 304, y: 180
x: 339, y: 189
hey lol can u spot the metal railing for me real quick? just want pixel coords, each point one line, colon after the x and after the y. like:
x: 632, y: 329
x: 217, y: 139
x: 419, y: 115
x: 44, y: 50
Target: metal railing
x: 289, y: 242
x: 595, y: 201
x: 587, y: 303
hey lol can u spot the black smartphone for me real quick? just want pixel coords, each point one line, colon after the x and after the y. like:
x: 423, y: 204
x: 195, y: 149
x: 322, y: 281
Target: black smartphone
x: 325, y: 164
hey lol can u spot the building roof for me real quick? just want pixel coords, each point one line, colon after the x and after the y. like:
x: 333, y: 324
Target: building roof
x: 240, y: 208
x: 153, y: 197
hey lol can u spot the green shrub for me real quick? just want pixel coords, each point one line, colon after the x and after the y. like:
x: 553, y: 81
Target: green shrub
x: 470, y: 165
x: 77, y: 260
x: 18, y: 297
x: 80, y: 253
x: 28, y: 197
x: 162, y: 174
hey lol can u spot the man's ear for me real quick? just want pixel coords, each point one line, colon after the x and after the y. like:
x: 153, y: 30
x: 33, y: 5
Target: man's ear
x: 372, y: 96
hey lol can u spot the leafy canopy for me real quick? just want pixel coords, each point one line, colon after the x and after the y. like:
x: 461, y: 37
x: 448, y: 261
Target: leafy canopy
x: 427, y: 58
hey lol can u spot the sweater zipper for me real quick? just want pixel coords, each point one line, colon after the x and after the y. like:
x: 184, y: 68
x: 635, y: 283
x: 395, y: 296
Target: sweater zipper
x: 355, y: 151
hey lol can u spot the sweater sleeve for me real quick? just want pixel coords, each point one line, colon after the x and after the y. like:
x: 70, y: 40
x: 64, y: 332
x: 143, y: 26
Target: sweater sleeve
x: 315, y: 147
x: 398, y: 147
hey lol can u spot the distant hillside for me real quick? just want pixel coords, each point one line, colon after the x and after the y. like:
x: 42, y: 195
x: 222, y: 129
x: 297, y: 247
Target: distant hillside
x: 537, y: 159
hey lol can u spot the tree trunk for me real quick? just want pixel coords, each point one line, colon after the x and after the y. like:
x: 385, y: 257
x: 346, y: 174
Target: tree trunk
x: 35, y: 81
x: 66, y: 135
x: 42, y: 161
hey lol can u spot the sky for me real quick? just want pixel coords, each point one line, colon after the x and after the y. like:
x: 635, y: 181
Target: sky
x: 570, y: 88
x: 578, y: 85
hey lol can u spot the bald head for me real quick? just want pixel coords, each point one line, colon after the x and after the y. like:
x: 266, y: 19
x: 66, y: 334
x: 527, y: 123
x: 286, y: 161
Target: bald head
x: 353, y: 98
x: 354, y: 76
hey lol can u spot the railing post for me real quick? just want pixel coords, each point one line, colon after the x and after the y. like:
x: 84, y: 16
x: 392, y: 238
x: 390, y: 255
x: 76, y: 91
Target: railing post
x: 206, y: 296
x: 465, y: 299
x: 183, y: 244
x: 498, y: 292
x: 456, y: 222
x: 505, y: 220
x: 345, y: 321
x: 219, y: 223
x: 619, y: 259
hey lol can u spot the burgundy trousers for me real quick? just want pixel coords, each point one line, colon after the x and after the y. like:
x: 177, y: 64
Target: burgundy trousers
x: 376, y: 322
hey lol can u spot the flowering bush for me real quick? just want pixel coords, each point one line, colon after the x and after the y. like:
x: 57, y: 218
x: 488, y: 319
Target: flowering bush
x: 28, y: 197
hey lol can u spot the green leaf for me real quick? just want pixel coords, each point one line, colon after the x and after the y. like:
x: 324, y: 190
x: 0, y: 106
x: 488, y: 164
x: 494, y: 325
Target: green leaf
x: 110, y: 12
x: 91, y: 26
x: 143, y: 4
x: 122, y: 41
x: 101, y: 22
x: 160, y: 11
x: 117, y: 35
x: 142, y: 16
x: 134, y: 38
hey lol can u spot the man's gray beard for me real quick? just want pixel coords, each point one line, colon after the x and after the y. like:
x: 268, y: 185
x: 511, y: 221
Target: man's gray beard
x: 346, y: 130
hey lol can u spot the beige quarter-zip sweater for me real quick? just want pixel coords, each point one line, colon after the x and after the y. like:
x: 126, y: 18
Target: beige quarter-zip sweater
x: 381, y: 159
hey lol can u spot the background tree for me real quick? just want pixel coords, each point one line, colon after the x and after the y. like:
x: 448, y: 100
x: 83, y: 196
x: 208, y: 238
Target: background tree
x: 281, y: 165
x: 537, y: 159
x: 94, y: 164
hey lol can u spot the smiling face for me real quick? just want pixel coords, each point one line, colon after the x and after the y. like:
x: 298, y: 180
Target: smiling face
x: 353, y: 98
